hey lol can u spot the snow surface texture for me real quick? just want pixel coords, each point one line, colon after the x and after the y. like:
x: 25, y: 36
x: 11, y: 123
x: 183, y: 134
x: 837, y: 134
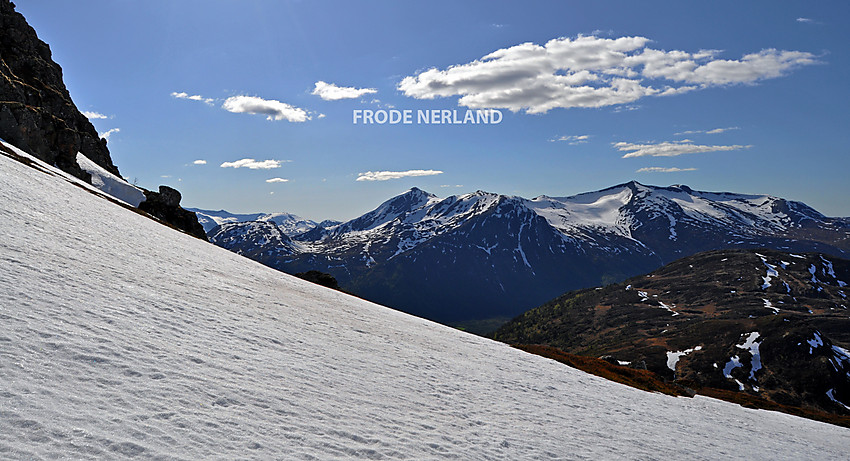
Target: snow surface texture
x: 120, y: 337
x: 109, y: 183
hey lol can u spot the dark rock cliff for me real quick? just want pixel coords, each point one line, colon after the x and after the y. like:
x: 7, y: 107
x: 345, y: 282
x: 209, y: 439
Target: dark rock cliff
x: 36, y: 110
x: 38, y: 116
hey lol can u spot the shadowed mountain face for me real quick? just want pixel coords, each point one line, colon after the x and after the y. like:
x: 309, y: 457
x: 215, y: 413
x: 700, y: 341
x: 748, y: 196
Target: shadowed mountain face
x: 767, y: 323
x: 483, y: 255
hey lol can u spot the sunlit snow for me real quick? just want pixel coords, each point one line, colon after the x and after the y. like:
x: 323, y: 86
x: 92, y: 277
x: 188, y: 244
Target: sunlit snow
x: 109, y: 183
x: 674, y: 356
x: 121, y: 337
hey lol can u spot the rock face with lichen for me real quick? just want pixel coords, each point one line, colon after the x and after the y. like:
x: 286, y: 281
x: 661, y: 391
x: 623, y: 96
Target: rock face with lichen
x: 38, y: 116
x: 36, y: 110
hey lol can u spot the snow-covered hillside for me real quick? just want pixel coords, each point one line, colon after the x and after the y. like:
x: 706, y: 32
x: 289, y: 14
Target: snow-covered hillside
x: 120, y: 337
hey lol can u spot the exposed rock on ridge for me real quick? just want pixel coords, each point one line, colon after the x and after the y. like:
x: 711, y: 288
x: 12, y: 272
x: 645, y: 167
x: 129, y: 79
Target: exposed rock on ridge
x: 165, y: 205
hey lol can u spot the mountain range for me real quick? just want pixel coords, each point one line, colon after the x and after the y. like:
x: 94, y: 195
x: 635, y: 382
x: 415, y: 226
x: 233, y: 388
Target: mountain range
x: 484, y: 256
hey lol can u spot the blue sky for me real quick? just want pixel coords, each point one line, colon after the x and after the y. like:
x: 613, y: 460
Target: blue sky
x: 748, y: 97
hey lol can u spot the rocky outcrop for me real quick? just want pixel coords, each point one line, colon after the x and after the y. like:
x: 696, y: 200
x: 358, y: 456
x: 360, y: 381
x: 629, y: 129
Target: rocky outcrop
x: 165, y: 205
x: 36, y: 110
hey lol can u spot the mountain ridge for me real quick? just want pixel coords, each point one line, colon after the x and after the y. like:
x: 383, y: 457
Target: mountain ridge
x: 416, y: 243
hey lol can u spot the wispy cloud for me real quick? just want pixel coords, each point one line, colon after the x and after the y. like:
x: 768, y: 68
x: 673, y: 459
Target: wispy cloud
x: 252, y: 164
x: 93, y: 115
x: 199, y: 162
x: 108, y: 133
x: 589, y: 71
x: 274, y: 180
x: 806, y: 20
x: 193, y: 97
x: 332, y: 92
x: 386, y: 175
x: 714, y: 131
x: 449, y: 185
x: 670, y: 149
x: 658, y: 169
x: 572, y: 140
x: 272, y: 109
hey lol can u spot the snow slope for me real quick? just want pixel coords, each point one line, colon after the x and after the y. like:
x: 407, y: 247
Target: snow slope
x: 120, y: 337
x: 109, y: 183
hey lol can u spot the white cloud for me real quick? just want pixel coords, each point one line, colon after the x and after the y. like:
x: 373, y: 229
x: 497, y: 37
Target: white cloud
x: 572, y: 140
x: 670, y: 149
x: 331, y: 92
x: 193, y: 97
x: 199, y: 162
x: 590, y: 71
x: 273, y: 180
x: 385, y: 175
x: 658, y: 169
x: 272, y: 109
x: 449, y: 185
x: 107, y: 134
x: 252, y: 164
x: 93, y: 115
x: 805, y: 20
x: 714, y: 131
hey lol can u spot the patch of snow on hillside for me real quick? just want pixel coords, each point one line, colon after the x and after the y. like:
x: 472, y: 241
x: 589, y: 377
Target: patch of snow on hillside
x: 830, y: 394
x: 669, y: 308
x: 813, y: 270
x: 768, y: 305
x: 815, y: 342
x: 109, y: 183
x: 734, y: 362
x: 830, y: 271
x: 674, y: 356
x: 771, y: 272
x: 752, y: 346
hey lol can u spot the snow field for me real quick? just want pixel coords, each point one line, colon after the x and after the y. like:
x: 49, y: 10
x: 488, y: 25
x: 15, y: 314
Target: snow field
x: 120, y: 337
